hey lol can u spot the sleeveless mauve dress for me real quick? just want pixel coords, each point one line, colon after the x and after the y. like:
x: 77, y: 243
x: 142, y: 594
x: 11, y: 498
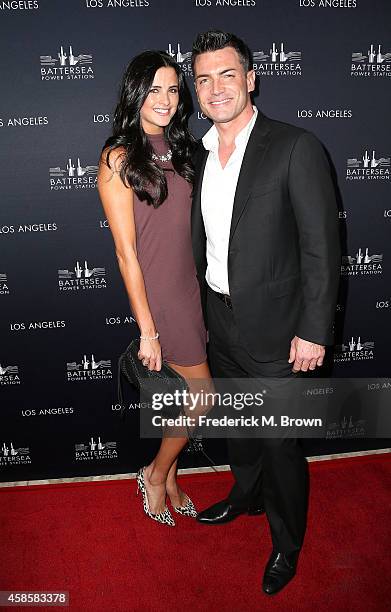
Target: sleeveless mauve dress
x: 164, y: 251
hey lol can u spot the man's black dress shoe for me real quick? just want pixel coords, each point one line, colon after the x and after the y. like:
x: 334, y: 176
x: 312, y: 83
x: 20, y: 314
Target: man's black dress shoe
x: 279, y: 570
x: 223, y: 512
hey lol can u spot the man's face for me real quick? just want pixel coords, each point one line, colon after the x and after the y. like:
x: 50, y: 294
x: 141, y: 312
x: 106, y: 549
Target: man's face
x: 223, y: 88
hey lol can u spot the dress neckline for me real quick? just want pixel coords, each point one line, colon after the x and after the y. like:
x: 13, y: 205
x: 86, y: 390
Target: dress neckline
x: 155, y: 136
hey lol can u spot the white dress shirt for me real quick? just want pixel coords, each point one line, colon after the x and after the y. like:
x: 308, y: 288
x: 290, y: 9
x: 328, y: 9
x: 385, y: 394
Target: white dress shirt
x: 217, y: 199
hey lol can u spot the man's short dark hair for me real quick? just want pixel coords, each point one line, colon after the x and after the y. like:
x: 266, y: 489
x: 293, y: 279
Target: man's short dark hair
x: 214, y: 40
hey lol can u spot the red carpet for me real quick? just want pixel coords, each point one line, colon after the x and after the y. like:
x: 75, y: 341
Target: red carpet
x: 93, y: 540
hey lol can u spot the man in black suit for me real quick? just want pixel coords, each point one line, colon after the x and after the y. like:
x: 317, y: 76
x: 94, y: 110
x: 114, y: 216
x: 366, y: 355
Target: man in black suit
x: 266, y: 247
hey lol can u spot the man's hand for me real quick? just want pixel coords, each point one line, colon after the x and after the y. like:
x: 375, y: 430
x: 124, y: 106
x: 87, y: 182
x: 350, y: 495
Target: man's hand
x: 305, y: 355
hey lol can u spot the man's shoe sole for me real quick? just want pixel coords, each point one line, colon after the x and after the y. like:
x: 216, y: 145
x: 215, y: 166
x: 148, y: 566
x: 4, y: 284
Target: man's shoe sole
x: 255, y: 512
x: 280, y: 589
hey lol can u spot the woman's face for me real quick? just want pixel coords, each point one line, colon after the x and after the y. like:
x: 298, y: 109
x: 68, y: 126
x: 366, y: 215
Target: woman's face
x: 161, y: 102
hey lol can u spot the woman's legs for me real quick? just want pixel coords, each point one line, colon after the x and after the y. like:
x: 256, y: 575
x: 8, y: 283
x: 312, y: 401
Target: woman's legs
x: 160, y: 474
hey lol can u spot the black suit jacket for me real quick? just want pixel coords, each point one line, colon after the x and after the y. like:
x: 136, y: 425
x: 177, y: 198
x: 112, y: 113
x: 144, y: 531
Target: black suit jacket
x: 284, y: 248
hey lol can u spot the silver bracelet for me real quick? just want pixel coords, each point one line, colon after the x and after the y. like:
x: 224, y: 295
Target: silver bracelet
x: 150, y: 337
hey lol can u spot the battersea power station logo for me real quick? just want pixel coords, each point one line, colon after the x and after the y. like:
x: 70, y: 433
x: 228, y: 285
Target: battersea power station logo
x: 13, y: 455
x: 66, y: 65
x: 374, y: 63
x: 4, y: 286
x: 355, y: 349
x: 369, y: 167
x: 96, y: 450
x: 82, y: 278
x: 89, y: 369
x: 73, y: 175
x: 362, y: 264
x: 277, y: 62
x: 183, y: 58
x: 9, y: 374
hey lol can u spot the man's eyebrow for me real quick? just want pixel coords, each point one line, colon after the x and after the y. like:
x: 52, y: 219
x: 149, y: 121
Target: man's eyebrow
x: 221, y: 72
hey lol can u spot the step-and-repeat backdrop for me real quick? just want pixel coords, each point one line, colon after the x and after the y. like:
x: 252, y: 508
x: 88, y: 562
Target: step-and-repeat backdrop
x: 322, y: 64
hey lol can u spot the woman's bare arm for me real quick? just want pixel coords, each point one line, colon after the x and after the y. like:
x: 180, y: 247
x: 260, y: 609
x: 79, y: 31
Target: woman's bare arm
x: 117, y: 201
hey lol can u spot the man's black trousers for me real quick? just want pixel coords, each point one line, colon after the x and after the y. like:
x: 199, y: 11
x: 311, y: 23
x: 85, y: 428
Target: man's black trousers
x: 272, y: 472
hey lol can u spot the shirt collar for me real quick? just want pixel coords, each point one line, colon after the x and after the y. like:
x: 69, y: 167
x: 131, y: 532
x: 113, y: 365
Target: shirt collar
x: 211, y: 139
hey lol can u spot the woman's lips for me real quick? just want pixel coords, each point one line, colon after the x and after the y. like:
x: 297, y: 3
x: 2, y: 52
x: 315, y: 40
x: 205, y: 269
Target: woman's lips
x: 162, y: 111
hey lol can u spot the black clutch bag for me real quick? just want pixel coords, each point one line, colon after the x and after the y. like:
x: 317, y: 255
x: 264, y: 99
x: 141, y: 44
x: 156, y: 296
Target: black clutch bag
x: 148, y: 381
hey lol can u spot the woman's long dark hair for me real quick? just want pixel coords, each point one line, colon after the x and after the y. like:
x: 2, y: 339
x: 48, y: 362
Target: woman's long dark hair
x: 138, y: 170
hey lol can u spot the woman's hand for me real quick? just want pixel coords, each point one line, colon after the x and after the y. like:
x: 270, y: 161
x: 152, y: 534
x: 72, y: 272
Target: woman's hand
x: 150, y: 354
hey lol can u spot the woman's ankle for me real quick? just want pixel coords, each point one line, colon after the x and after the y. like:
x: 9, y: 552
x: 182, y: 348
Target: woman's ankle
x: 172, y: 485
x: 176, y: 495
x: 154, y: 476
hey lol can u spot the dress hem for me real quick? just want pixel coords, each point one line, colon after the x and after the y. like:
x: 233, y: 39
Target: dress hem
x: 186, y: 365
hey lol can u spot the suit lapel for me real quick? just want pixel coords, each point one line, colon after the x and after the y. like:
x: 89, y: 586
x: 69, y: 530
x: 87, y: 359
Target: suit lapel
x: 197, y: 223
x: 252, y: 160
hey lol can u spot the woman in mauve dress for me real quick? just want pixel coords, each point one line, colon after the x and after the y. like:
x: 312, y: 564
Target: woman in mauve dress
x: 145, y: 183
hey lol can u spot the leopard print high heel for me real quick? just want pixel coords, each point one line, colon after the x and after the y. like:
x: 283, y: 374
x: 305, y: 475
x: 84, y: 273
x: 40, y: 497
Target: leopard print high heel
x: 187, y: 509
x: 164, y: 517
